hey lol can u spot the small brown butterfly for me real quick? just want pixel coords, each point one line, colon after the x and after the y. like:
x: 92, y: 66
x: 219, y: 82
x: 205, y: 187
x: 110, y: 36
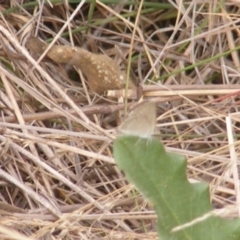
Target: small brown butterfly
x: 140, y: 122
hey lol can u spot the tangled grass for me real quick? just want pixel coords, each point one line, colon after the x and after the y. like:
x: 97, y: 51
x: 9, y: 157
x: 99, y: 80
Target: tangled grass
x: 58, y: 177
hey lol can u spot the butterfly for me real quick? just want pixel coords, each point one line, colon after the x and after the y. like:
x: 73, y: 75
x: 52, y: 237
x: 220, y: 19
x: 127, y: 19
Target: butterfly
x: 140, y: 122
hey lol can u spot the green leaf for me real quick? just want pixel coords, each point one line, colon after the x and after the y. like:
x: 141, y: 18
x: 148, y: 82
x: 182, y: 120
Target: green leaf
x: 161, y: 178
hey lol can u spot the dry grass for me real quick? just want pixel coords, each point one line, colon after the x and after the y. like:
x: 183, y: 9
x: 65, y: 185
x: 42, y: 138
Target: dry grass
x: 58, y: 178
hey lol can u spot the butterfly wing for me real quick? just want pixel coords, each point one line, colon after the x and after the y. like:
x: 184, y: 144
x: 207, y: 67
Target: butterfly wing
x: 140, y: 122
